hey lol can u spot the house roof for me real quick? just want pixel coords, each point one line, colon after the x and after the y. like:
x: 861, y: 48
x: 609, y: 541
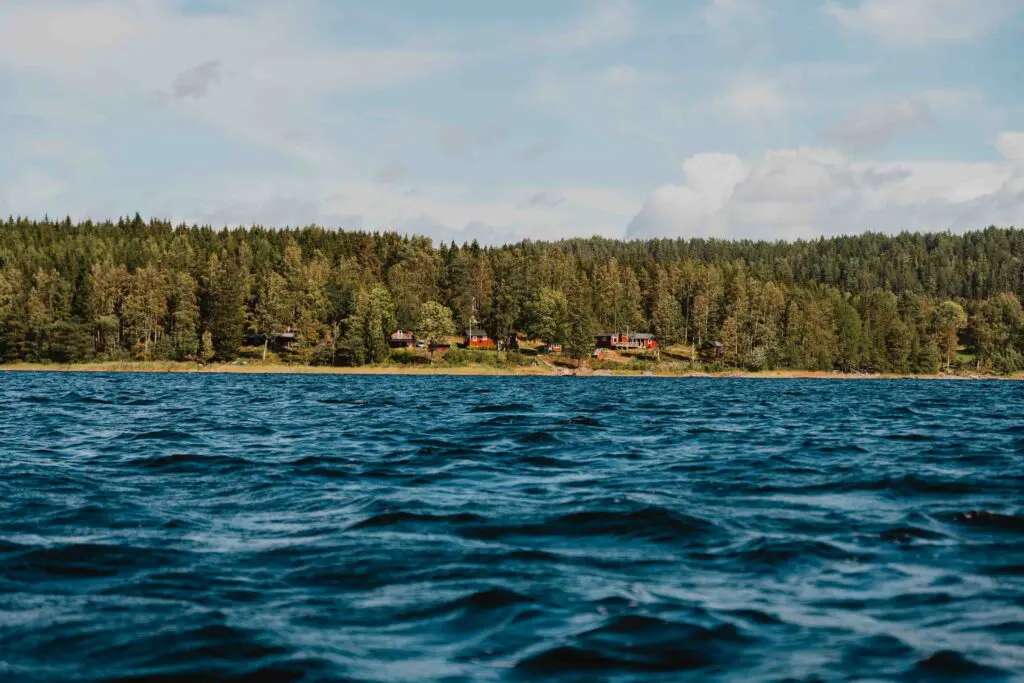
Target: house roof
x: 402, y: 334
x: 631, y: 335
x: 476, y: 332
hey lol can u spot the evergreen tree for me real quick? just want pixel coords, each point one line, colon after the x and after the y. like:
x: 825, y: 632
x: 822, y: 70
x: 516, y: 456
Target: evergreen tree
x: 580, y: 342
x: 951, y: 318
x: 225, y: 300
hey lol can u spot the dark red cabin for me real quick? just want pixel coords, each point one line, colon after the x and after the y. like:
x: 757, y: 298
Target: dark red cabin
x: 478, y: 339
x: 402, y: 339
x: 632, y: 340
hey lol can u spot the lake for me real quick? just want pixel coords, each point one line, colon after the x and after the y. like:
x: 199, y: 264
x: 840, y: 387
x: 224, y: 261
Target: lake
x: 247, y: 527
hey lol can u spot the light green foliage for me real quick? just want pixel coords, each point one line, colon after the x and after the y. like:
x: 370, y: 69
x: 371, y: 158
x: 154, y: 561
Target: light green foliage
x: 434, y: 323
x: 950, y: 319
x: 547, y: 316
x: 369, y: 325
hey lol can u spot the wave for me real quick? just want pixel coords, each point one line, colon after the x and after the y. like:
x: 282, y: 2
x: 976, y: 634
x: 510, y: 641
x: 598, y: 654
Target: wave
x: 952, y: 665
x: 767, y: 552
x: 162, y: 435
x: 405, y: 519
x: 992, y: 521
x: 465, y: 528
x: 647, y: 523
x: 192, y: 461
x: 502, y: 408
x: 581, y: 420
x: 640, y: 644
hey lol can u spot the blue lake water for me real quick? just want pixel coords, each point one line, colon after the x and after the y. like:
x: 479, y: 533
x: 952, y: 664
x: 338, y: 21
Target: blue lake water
x: 275, y: 528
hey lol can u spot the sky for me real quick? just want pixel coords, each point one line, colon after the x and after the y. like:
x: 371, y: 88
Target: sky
x: 534, y: 119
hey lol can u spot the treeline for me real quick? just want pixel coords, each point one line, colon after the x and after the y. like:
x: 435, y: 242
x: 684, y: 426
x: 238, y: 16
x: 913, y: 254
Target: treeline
x: 136, y: 289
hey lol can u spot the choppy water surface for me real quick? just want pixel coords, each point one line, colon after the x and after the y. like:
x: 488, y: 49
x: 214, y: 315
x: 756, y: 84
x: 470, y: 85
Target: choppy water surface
x: 398, y: 528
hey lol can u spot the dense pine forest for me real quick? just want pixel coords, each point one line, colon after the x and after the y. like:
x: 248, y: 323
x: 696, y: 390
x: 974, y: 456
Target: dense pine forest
x: 133, y: 289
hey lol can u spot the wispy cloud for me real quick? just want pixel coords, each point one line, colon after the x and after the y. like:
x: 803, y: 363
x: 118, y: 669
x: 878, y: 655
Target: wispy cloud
x: 392, y: 174
x: 756, y: 98
x: 876, y: 125
x: 607, y: 22
x: 194, y: 82
x: 919, y: 22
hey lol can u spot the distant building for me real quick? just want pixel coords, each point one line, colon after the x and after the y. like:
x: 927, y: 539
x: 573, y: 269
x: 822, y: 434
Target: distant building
x: 550, y: 348
x: 277, y: 340
x: 285, y: 340
x: 477, y: 339
x: 402, y: 339
x: 631, y: 340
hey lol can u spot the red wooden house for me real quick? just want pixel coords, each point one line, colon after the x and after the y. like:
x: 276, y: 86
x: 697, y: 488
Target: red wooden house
x: 626, y: 341
x: 477, y: 339
x: 402, y: 339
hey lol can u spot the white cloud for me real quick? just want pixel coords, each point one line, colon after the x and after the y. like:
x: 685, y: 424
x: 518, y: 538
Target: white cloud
x: 693, y: 207
x: 1011, y: 146
x: 393, y: 173
x: 196, y: 81
x: 608, y: 22
x: 30, y: 193
x: 461, y: 141
x: 876, y: 125
x: 756, y: 99
x: 795, y: 193
x: 442, y: 211
x: 275, y: 83
x: 621, y: 76
x: 723, y: 14
x: 918, y: 22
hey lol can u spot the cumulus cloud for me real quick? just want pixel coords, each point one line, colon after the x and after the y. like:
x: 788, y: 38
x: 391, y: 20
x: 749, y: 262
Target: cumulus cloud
x: 917, y: 22
x: 797, y: 193
x: 194, y: 82
x: 876, y: 125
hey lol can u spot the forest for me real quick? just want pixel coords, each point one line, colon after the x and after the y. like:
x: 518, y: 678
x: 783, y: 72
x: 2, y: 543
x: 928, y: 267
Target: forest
x: 134, y: 289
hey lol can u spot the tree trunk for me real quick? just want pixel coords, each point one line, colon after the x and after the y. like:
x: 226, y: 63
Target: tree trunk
x: 266, y: 341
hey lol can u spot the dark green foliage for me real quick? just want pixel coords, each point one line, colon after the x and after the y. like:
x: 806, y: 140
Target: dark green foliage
x: 580, y: 341
x: 149, y: 290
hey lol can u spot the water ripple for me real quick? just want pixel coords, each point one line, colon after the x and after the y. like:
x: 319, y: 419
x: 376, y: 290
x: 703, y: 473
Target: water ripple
x: 221, y: 527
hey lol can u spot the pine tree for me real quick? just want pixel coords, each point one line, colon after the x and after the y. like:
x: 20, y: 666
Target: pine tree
x: 580, y: 342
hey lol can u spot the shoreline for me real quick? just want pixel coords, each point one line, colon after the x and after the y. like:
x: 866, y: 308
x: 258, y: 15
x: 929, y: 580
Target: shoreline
x: 465, y: 371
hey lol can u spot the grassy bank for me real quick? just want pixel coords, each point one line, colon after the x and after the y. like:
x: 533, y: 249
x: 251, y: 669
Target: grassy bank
x: 472, y: 369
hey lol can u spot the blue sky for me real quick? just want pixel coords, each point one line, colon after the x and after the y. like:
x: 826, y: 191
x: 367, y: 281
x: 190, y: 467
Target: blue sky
x: 463, y: 120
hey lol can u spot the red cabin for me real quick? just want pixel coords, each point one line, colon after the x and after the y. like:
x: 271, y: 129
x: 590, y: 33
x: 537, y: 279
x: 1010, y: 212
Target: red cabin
x: 478, y: 339
x: 402, y: 339
x: 632, y: 340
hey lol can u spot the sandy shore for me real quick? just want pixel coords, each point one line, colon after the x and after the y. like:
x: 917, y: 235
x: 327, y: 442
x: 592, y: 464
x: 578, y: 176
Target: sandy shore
x: 467, y: 370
